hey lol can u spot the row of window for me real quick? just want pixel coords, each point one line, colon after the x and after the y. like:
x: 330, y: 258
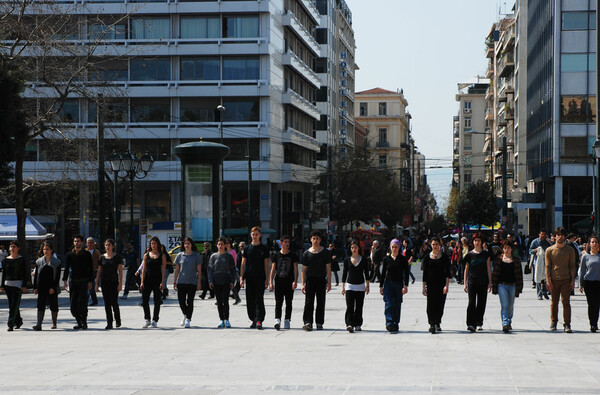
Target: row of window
x: 578, y: 109
x: 578, y: 62
x: 579, y: 20
x: 364, y: 109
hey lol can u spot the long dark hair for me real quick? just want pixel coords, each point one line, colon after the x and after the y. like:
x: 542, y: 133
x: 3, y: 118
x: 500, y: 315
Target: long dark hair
x: 194, y: 248
x: 158, y: 243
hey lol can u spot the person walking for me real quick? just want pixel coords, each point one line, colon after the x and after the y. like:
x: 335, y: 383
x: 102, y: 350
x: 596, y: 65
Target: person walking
x: 79, y: 272
x: 560, y: 278
x: 335, y: 266
x: 507, y: 282
x: 91, y: 247
x: 168, y: 270
x: 187, y: 279
x: 436, y: 279
x: 46, y: 280
x: 589, y: 281
x: 110, y: 278
x: 16, y: 278
x: 538, y: 248
x: 316, y: 281
x: 284, y: 280
x: 478, y: 282
x: 355, y: 285
x: 132, y: 262
x: 253, y: 276
x: 235, y: 292
x: 221, y: 278
x: 204, y: 257
x: 408, y: 253
x: 154, y: 267
x: 376, y: 258
x: 393, y: 285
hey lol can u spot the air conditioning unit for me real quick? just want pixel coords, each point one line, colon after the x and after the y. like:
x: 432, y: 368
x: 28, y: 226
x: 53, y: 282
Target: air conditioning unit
x: 467, y: 110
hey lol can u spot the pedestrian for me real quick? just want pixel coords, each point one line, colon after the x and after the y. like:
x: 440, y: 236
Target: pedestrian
x: 16, y: 277
x: 436, y: 278
x: 464, y: 251
x: 560, y: 278
x: 187, y: 278
x: 376, y: 255
x: 169, y: 269
x: 478, y: 282
x: 3, y: 254
x: 316, y: 281
x: 110, y: 278
x: 253, y: 276
x: 154, y: 267
x: 132, y: 263
x: 221, y: 278
x: 236, y: 288
x: 335, y: 266
x: 355, y: 285
x: 204, y: 257
x: 91, y: 247
x: 283, y: 280
x: 46, y: 284
x: 408, y: 253
x: 393, y: 285
x: 238, y: 265
x: 589, y: 280
x: 79, y: 271
x: 507, y: 282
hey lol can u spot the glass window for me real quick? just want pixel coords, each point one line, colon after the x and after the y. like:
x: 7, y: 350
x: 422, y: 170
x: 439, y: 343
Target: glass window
x: 364, y: 109
x: 574, y: 149
x: 150, y: 28
x: 577, y: 62
x: 115, y: 111
x: 198, y: 109
x: 200, y: 69
x: 382, y: 108
x: 467, y: 105
x: 150, y: 69
x: 69, y: 112
x: 383, y: 135
x: 107, y: 28
x: 241, y: 68
x: 467, y: 178
x: 200, y: 27
x: 160, y: 149
x: 578, y: 109
x: 157, y: 206
x: 240, y: 110
x: 468, y: 142
x: 240, y: 26
x: 150, y: 110
x: 382, y: 161
x: 578, y: 20
x: 468, y: 123
x: 108, y: 70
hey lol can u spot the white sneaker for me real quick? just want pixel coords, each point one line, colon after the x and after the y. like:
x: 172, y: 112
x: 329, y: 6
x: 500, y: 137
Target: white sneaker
x: 147, y: 324
x: 277, y: 323
x: 187, y: 323
x: 286, y: 324
x: 154, y: 324
x: 183, y: 320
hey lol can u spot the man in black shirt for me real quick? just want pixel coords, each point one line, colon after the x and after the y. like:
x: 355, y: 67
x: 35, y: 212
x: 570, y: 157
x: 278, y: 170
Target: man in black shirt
x: 316, y: 281
x: 255, y: 265
x: 79, y: 267
x: 285, y: 273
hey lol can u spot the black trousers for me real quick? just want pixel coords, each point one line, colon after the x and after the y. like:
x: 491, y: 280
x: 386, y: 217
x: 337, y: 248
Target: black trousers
x: 436, y: 300
x: 110, y: 294
x: 44, y: 298
x: 477, y: 300
x: 129, y: 277
x: 185, y: 294
x: 92, y: 292
x: 592, y: 294
x: 376, y: 275
x: 79, y: 296
x: 205, y: 287
x: 255, y: 300
x: 149, y: 288
x: 354, y: 307
x: 222, y: 294
x: 315, y: 287
x: 283, y: 289
x: 13, y: 294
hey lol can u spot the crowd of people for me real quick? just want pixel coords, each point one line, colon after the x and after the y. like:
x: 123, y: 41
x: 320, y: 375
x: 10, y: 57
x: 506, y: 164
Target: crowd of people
x: 479, y: 265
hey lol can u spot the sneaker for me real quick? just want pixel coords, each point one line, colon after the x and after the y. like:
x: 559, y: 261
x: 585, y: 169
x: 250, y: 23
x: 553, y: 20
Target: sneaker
x: 253, y: 325
x: 124, y: 297
x: 546, y: 297
x: 593, y: 329
x: 154, y: 324
x: 277, y: 323
x: 438, y: 328
x: 258, y: 325
x: 509, y: 327
x: 147, y: 324
x: 505, y: 328
x: 357, y: 328
x: 534, y: 286
x: 221, y: 324
x: 471, y: 328
x: 307, y: 327
x: 227, y: 324
x: 183, y: 321
x: 187, y: 323
x: 479, y: 328
x: 553, y: 326
x: 568, y: 329
x: 350, y: 329
x: 286, y: 324
x: 319, y: 327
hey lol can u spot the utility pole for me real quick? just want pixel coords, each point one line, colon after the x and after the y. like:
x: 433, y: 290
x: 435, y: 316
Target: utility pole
x: 100, y: 146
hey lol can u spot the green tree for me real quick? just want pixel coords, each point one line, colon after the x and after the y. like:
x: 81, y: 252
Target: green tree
x: 477, y: 205
x: 452, y: 207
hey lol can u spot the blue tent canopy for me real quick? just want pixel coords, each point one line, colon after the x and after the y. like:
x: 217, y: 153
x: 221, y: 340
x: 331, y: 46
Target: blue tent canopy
x: 8, y: 226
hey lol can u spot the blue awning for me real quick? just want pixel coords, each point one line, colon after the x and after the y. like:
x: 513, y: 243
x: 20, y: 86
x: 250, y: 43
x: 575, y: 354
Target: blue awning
x: 8, y: 226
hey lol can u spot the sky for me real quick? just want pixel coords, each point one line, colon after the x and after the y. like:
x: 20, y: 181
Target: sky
x: 425, y: 48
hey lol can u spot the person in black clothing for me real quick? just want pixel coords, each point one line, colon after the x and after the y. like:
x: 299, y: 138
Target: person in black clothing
x: 45, y: 285
x: 204, y: 257
x: 253, y: 275
x: 478, y: 282
x: 79, y: 268
x: 436, y: 278
x: 408, y: 253
x: 221, y: 277
x: 355, y: 285
x: 169, y: 269
x: 16, y: 277
x: 377, y: 253
x: 285, y: 273
x: 316, y: 281
x: 507, y: 282
x: 154, y: 269
x: 238, y: 265
x: 132, y: 263
x: 335, y: 266
x: 495, y: 247
x: 393, y: 284
x: 110, y: 277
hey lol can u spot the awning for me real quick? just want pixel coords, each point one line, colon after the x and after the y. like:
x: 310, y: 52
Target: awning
x: 8, y: 226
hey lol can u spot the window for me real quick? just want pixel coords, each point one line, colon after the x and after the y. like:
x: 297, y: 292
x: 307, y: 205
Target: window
x: 382, y: 136
x: 107, y: 29
x: 578, y: 20
x: 157, y: 206
x: 467, y: 142
x: 115, y: 111
x: 150, y: 110
x: 199, y: 27
x: 364, y: 109
x: 298, y: 155
x: 467, y: 105
x: 468, y: 160
x: 150, y: 28
x: 241, y: 26
x: 69, y: 112
x: 241, y: 110
x: 467, y: 178
x: 574, y: 149
x: 200, y: 69
x: 468, y: 123
x: 108, y: 70
x: 578, y: 109
x: 150, y: 69
x: 320, y: 65
x: 198, y: 109
x: 382, y: 108
x: 382, y: 161
x: 241, y: 68
x: 199, y: 174
x: 577, y: 62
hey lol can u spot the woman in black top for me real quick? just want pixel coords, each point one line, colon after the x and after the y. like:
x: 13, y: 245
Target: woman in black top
x: 393, y: 284
x: 507, y: 282
x: 110, y: 276
x: 335, y: 266
x: 436, y: 278
x: 355, y: 285
x: 478, y: 282
x: 15, y: 278
x: 45, y: 285
x: 153, y: 278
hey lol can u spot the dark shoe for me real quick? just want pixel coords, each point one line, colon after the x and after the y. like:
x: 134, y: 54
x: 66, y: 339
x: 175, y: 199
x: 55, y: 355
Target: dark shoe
x: 211, y: 297
x: 509, y: 327
x: 77, y: 327
x: 396, y: 328
x: 540, y: 298
x: 505, y: 329
x: 18, y: 326
x: 84, y: 325
x: 118, y: 323
x: 37, y: 327
x: 319, y: 327
x: 546, y: 297
x: 253, y: 325
x: 432, y: 329
x: 593, y: 328
x: 438, y: 328
x: 10, y: 329
x: 109, y: 326
x: 553, y: 326
x: 54, y: 319
x: 350, y: 329
x: 413, y: 281
x: 94, y: 304
x: 258, y: 325
x: 471, y: 328
x: 389, y: 328
x: 307, y: 327
x: 238, y: 301
x: 202, y: 297
x: 568, y: 329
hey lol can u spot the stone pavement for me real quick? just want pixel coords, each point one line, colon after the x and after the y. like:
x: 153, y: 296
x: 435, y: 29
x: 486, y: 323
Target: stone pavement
x: 204, y: 359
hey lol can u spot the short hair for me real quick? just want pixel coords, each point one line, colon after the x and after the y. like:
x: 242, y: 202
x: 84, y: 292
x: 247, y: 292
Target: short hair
x: 223, y: 240
x: 79, y: 236
x: 15, y: 243
x: 560, y: 231
x: 256, y: 229
x: 477, y: 235
x: 508, y: 244
x: 571, y: 235
x: 542, y: 231
x: 376, y: 242
x: 91, y: 238
x: 316, y: 233
x: 285, y: 237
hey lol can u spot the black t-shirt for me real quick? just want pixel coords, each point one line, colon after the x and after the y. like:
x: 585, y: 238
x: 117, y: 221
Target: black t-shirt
x: 495, y: 249
x: 316, y: 264
x: 435, y: 271
x: 153, y: 268
x: 110, y: 268
x: 507, y: 271
x: 284, y: 269
x: 477, y: 266
x: 255, y: 261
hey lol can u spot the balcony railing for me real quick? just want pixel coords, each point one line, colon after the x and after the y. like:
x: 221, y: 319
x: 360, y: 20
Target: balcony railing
x: 382, y: 144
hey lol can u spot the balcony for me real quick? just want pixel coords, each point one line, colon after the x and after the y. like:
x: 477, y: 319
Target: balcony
x: 294, y: 136
x: 489, y: 52
x: 490, y: 72
x: 489, y: 114
x: 292, y: 60
x: 507, y: 65
x: 311, y: 9
x: 290, y: 20
x: 293, y: 98
x: 382, y: 144
x: 489, y: 93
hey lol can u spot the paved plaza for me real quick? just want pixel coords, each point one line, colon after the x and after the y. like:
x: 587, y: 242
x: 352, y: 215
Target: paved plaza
x: 204, y: 359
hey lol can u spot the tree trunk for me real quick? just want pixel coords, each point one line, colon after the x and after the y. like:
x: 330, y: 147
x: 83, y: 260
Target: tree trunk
x: 19, y: 197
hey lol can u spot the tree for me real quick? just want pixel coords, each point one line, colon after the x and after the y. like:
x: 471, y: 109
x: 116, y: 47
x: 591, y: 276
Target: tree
x: 477, y: 205
x: 12, y: 119
x: 452, y: 207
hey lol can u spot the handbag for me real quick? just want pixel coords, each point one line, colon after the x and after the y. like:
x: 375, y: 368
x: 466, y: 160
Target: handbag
x: 529, y: 264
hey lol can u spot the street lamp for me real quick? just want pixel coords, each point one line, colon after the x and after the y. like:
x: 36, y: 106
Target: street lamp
x: 596, y: 149
x: 221, y: 110
x: 116, y: 164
